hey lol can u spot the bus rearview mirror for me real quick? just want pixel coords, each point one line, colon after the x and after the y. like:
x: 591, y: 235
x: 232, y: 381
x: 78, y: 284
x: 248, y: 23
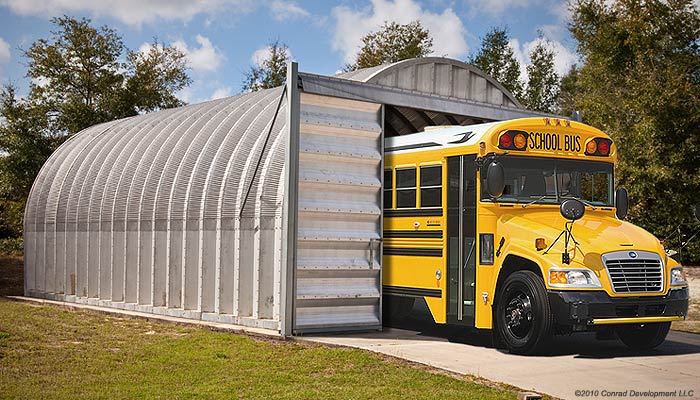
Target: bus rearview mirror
x: 572, y: 209
x: 621, y: 203
x: 495, y: 179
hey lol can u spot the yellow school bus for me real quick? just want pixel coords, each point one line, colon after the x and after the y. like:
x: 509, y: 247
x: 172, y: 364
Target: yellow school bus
x: 516, y: 226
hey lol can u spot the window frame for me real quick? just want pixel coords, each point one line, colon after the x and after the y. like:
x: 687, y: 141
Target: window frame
x: 398, y: 189
x: 390, y: 189
x: 421, y: 187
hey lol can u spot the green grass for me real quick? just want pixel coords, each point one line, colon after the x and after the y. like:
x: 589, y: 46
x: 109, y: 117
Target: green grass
x: 52, y: 352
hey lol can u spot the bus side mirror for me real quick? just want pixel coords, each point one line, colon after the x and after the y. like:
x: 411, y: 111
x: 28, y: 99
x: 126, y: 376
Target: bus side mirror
x: 622, y: 203
x: 697, y: 211
x: 572, y: 209
x: 495, y: 179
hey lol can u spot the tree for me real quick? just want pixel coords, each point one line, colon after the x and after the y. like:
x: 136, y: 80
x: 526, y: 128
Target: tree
x: 543, y: 82
x: 78, y: 80
x: 269, y: 72
x: 640, y: 82
x: 79, y: 75
x: 154, y: 77
x: 496, y: 58
x: 26, y: 142
x: 393, y: 42
x: 568, y: 91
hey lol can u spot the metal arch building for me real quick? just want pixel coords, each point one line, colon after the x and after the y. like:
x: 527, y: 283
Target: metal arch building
x: 262, y: 209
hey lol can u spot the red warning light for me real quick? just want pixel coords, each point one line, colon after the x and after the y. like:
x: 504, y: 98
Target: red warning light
x: 505, y: 141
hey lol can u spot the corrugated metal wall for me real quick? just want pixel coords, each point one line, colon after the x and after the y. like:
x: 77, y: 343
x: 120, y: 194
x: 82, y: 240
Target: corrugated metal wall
x: 338, y: 273
x: 177, y: 212
x: 262, y: 209
x: 438, y: 76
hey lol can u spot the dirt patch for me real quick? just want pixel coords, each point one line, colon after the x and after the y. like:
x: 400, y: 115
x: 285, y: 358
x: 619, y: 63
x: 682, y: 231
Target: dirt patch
x: 692, y: 322
x: 11, y: 275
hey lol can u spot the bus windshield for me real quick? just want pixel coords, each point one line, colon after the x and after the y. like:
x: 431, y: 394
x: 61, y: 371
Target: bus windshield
x: 551, y: 180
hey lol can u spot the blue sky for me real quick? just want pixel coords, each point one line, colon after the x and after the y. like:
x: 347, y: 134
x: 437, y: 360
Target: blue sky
x: 222, y: 38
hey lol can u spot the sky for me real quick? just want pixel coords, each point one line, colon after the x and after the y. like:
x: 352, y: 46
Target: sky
x: 222, y: 39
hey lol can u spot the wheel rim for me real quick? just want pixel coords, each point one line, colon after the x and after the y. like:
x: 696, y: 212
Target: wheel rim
x: 518, y: 314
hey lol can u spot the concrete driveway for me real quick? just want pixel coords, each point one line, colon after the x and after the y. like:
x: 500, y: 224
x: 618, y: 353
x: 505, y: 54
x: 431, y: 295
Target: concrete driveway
x: 578, y: 367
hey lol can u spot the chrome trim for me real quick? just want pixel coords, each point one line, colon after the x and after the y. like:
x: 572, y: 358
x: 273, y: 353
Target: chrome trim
x: 642, y: 258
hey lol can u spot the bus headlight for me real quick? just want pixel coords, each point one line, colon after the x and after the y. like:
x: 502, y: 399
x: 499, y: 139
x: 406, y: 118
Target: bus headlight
x: 573, y: 278
x: 678, y: 277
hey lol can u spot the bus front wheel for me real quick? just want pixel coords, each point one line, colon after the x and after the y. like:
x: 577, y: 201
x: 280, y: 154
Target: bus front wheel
x: 643, y: 336
x: 523, y: 318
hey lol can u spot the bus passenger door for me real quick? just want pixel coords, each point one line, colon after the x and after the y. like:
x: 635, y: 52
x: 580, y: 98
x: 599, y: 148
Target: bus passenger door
x: 461, y: 238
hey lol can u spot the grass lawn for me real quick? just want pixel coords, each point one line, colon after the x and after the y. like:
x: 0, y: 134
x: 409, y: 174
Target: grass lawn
x: 53, y: 352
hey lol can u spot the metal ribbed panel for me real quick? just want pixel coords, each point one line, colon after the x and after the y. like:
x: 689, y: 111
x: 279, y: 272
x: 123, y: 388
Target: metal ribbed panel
x: 116, y: 214
x: 239, y: 177
x: 437, y: 76
x: 338, y: 278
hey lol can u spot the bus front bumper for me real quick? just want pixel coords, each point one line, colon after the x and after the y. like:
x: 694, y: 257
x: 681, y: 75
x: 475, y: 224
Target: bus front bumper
x: 597, y: 308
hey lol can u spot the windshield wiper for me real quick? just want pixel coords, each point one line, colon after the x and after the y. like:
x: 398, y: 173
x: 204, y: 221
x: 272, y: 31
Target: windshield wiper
x: 581, y: 200
x: 537, y: 199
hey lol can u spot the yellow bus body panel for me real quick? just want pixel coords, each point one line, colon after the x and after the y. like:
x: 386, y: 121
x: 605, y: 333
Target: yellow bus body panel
x: 598, y: 232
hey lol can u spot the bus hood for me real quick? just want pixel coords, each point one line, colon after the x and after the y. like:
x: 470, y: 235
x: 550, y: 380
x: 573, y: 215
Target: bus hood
x: 598, y: 232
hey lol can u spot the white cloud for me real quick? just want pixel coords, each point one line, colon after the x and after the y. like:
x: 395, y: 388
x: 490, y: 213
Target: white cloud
x: 130, y: 12
x: 5, y: 56
x: 563, y: 57
x: 497, y: 7
x: 205, y: 58
x: 521, y: 56
x: 5, y: 53
x: 262, y: 53
x: 41, y: 81
x: 445, y: 28
x: 284, y: 10
x: 221, y: 93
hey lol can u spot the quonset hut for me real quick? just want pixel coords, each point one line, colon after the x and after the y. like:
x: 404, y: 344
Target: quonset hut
x: 262, y: 209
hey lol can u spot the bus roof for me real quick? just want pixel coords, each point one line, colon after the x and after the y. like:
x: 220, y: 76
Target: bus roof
x: 434, y: 138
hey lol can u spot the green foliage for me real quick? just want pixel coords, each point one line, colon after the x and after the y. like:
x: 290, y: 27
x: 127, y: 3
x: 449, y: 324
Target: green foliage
x: 26, y: 141
x: 393, y: 42
x: 543, y: 82
x: 154, y: 77
x: 271, y: 71
x: 78, y: 81
x: 79, y: 76
x: 640, y: 82
x: 568, y: 91
x: 12, y: 246
x: 496, y: 58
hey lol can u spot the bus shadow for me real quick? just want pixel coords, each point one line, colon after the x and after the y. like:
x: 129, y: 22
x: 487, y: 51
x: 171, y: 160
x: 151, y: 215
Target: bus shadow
x: 579, y: 345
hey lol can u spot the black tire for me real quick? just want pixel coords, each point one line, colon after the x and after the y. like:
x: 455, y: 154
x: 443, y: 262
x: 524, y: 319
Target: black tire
x: 523, y: 319
x: 643, y: 336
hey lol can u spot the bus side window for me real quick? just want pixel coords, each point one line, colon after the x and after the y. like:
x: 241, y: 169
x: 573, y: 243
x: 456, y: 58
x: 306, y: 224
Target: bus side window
x: 388, y: 189
x: 431, y: 186
x: 406, y: 188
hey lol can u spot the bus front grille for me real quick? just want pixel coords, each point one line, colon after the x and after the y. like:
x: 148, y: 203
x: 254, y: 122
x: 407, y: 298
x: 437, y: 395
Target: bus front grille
x: 635, y: 272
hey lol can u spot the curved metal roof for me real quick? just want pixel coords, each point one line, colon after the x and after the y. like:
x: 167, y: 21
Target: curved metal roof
x: 437, y: 76
x: 177, y: 164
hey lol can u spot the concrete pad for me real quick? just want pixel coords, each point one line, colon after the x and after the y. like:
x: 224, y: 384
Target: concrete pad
x: 578, y: 366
